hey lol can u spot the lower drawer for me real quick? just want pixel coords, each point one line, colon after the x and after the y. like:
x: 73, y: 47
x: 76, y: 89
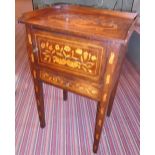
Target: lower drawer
x: 72, y: 84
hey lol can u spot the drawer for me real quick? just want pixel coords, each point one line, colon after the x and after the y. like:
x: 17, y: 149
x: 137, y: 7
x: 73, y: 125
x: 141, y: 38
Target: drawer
x: 76, y: 85
x: 71, y: 55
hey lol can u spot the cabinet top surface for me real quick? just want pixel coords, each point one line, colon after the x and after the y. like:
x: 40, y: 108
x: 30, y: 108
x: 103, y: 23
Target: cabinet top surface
x: 81, y: 20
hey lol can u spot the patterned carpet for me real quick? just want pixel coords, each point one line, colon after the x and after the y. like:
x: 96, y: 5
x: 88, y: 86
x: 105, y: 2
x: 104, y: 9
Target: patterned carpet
x: 70, y: 124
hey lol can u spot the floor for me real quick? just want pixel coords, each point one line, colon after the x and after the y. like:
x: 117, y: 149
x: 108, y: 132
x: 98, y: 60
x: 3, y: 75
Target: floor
x: 70, y: 124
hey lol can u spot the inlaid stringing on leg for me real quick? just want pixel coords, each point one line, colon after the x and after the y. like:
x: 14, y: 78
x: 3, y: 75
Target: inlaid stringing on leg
x: 99, y: 122
x: 105, y: 97
x: 29, y: 39
x: 34, y: 74
x: 102, y: 107
x: 32, y: 57
x: 111, y: 59
x: 108, y: 79
x: 102, y: 111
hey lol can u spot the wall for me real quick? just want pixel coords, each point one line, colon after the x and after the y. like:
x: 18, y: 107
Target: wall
x: 125, y: 5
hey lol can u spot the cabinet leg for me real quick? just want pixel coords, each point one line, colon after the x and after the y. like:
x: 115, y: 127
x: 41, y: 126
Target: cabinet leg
x: 40, y: 102
x: 65, y: 95
x: 100, y: 116
x: 111, y: 100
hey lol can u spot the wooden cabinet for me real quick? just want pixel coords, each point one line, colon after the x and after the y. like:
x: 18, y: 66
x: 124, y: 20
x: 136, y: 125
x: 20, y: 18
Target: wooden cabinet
x: 72, y: 55
x: 78, y: 49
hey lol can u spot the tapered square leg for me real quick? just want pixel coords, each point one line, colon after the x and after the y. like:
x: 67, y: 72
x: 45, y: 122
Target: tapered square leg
x: 65, y: 95
x: 40, y: 102
x: 35, y: 74
x: 100, y: 116
x: 111, y: 100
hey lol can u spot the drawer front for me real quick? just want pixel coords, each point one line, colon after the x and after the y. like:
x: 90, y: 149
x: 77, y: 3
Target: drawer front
x: 78, y: 57
x: 74, y: 85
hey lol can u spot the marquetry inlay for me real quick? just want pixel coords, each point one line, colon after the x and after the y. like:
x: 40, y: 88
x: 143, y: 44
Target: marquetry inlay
x: 105, y: 97
x: 111, y: 59
x: 99, y: 122
x: 85, y: 59
x: 78, y: 49
x: 97, y: 136
x: 72, y: 85
x: 32, y: 57
x: 66, y: 55
x: 29, y: 39
x: 108, y: 79
x: 108, y: 75
x: 102, y: 111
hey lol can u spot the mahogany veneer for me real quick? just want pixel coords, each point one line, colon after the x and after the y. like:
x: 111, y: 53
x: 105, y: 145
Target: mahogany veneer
x: 79, y: 49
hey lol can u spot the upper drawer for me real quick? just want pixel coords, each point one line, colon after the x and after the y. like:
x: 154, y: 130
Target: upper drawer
x: 72, y: 55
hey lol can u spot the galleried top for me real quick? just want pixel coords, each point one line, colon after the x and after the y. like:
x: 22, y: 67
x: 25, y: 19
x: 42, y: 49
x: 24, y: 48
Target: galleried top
x: 82, y: 21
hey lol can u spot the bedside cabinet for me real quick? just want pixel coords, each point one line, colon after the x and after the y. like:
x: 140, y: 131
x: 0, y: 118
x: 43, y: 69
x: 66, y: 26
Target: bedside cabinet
x: 79, y: 49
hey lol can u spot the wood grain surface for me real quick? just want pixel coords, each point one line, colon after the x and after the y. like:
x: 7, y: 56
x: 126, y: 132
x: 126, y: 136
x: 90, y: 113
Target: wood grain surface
x: 78, y: 49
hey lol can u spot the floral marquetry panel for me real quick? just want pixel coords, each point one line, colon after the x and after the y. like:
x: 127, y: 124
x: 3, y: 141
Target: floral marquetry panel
x: 71, y: 56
